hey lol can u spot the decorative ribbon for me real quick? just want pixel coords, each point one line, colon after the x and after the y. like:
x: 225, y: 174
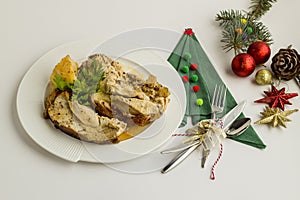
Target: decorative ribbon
x: 210, y: 133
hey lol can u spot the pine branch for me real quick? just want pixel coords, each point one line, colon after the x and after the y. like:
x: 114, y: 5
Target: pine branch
x: 259, y: 7
x: 261, y: 32
x: 241, y: 28
x: 233, y: 39
x: 225, y: 17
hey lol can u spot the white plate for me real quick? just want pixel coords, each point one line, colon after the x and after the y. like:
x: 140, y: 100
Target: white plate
x: 30, y: 107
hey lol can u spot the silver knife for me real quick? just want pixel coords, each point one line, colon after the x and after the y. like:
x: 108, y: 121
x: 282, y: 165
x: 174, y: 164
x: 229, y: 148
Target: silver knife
x: 180, y: 147
x: 227, y: 120
x: 232, y: 115
x: 179, y: 158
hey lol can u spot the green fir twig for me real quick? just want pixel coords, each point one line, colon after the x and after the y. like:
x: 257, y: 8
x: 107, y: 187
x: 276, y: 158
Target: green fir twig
x: 260, y: 7
x: 241, y: 28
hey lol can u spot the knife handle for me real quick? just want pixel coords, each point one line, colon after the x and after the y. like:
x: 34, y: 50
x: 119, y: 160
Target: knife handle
x: 178, y: 159
x: 180, y: 148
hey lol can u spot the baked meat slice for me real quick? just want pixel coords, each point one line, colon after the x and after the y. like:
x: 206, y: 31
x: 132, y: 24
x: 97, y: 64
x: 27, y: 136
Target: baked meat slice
x: 141, y: 112
x: 82, y: 122
x: 102, y: 104
x: 128, y: 97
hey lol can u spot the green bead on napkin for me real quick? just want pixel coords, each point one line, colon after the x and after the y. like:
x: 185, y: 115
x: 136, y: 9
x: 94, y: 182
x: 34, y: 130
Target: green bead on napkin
x: 199, y: 81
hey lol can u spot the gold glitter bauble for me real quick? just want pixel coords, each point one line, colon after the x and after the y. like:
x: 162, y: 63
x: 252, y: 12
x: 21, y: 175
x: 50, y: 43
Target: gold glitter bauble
x: 263, y: 77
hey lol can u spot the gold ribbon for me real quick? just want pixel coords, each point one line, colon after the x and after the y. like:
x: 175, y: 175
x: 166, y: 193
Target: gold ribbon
x: 205, y: 130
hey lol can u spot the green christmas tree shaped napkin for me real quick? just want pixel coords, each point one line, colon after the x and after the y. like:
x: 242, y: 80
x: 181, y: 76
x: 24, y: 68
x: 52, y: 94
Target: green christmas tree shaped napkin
x: 200, y: 77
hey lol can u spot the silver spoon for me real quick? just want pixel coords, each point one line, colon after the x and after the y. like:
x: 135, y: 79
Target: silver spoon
x: 235, y: 129
x: 238, y: 127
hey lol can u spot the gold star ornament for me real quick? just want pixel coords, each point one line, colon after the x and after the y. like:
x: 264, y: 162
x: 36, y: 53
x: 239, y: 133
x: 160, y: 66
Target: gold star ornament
x: 275, y: 116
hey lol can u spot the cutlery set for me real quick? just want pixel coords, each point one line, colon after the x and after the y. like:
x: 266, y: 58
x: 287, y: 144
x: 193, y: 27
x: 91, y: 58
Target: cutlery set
x: 217, y: 129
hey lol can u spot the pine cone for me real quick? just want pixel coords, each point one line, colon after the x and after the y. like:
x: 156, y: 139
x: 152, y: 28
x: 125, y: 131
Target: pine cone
x: 286, y: 64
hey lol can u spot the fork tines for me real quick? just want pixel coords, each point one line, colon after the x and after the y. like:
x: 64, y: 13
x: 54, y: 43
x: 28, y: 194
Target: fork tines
x: 219, y: 94
x: 218, y: 99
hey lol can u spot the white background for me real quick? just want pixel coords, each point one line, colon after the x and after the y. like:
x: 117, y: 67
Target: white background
x: 31, y: 28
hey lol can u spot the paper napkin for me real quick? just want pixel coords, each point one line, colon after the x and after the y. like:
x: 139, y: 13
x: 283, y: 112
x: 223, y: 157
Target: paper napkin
x: 200, y: 78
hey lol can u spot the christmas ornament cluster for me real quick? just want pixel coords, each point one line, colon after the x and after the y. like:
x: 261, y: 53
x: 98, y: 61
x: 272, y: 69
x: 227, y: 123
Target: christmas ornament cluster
x: 257, y: 54
x: 285, y: 66
x: 285, y: 63
x: 250, y: 39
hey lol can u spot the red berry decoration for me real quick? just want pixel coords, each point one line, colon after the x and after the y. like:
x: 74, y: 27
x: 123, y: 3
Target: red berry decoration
x: 193, y: 66
x: 243, y: 64
x: 260, y: 51
x: 196, y: 88
x: 189, y: 32
x: 185, y: 79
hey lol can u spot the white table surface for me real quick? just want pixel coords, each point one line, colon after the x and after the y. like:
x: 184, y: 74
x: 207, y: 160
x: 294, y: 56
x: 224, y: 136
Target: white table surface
x: 31, y: 28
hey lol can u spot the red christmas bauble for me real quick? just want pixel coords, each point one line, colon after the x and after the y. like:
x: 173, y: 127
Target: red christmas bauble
x: 260, y: 51
x: 243, y: 64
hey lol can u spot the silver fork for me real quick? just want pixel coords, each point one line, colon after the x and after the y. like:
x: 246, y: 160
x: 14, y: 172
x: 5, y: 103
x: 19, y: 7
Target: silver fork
x: 217, y: 106
x: 218, y: 101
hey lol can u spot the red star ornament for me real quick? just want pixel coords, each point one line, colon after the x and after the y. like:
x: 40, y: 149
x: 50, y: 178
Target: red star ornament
x: 277, y: 98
